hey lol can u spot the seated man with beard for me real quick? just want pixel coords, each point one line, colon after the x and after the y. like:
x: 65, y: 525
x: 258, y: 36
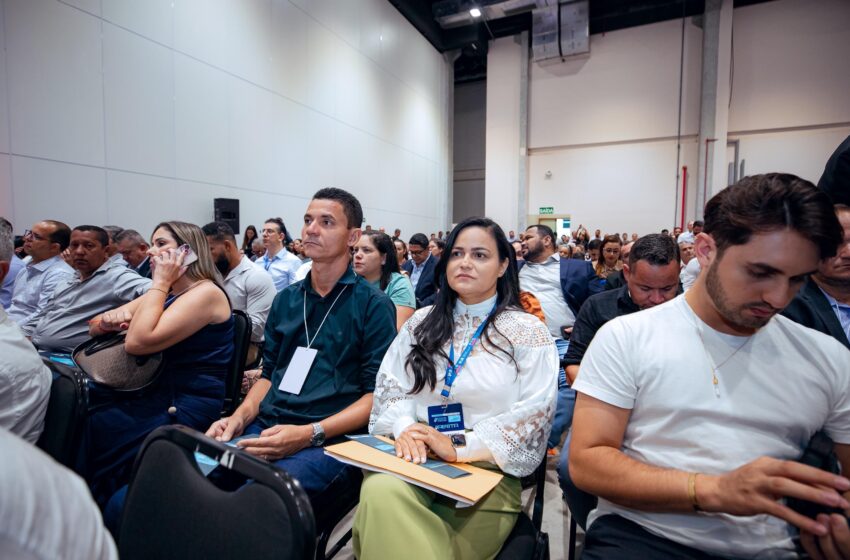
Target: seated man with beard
x: 250, y: 289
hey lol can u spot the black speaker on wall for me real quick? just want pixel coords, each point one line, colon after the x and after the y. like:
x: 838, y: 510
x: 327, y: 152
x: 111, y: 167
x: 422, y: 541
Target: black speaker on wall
x: 227, y: 211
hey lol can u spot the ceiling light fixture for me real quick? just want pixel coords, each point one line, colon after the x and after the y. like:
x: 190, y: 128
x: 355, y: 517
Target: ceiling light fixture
x: 475, y: 12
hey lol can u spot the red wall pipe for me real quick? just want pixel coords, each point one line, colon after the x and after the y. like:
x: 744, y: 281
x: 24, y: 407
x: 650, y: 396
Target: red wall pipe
x: 684, y: 190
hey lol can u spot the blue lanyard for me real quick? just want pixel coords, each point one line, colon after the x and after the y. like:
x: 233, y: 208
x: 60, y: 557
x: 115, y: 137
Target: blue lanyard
x: 452, y: 371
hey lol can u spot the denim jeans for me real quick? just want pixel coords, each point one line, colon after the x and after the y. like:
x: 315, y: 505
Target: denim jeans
x: 578, y: 501
x: 320, y: 475
x: 566, y: 400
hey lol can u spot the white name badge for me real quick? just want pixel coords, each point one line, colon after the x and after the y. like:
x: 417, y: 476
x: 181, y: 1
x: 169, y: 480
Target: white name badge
x: 297, y: 370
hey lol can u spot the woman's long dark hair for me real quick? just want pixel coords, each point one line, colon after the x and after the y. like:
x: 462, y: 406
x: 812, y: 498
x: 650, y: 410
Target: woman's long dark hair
x: 386, y: 248
x: 246, y: 243
x: 437, y: 327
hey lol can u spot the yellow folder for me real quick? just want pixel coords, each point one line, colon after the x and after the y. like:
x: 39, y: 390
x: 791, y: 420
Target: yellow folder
x: 467, y: 490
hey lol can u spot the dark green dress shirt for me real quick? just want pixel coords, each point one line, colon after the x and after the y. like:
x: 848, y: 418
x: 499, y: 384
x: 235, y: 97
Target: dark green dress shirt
x: 350, y: 345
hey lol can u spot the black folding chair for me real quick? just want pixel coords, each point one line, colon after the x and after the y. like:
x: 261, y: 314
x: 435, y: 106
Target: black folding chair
x: 173, y: 511
x: 236, y: 368
x: 329, y: 518
x: 66, y: 414
x: 527, y: 541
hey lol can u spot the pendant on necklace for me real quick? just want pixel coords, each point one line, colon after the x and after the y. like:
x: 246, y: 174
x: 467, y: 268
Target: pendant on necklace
x: 716, y: 383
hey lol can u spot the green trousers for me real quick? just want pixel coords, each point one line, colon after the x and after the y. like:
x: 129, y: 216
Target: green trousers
x: 396, y: 519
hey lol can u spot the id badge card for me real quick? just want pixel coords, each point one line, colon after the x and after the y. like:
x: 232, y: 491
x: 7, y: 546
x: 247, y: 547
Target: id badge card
x: 297, y: 370
x: 447, y: 418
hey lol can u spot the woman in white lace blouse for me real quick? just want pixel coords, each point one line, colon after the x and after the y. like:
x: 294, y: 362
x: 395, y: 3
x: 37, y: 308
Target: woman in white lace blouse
x: 503, y: 379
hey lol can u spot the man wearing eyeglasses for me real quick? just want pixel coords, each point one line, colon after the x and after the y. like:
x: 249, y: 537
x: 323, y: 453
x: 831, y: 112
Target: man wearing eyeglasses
x: 420, y: 267
x: 34, y: 285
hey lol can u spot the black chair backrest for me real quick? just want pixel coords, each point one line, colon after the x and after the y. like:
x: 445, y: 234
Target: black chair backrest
x: 236, y: 369
x: 66, y: 414
x: 173, y: 511
x: 527, y: 541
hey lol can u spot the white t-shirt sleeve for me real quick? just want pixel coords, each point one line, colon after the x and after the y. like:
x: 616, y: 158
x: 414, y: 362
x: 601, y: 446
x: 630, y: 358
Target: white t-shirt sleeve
x: 607, y: 372
x: 837, y: 425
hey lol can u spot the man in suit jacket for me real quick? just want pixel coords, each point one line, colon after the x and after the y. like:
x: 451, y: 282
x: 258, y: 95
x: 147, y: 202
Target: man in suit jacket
x: 562, y: 286
x: 420, y: 268
x: 134, y: 249
x: 823, y: 303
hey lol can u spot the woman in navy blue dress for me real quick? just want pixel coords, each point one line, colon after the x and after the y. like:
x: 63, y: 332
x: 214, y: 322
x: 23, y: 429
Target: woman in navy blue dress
x: 186, y: 315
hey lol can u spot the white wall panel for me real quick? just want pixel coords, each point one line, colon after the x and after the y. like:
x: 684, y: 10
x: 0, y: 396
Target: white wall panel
x: 7, y: 207
x: 628, y: 88
x: 138, y: 88
x: 629, y: 187
x: 4, y: 97
x: 791, y: 66
x: 74, y: 194
x: 201, y: 124
x: 153, y: 19
x: 141, y: 201
x: 251, y: 135
x: 289, y: 50
x: 90, y: 6
x: 54, y: 81
x: 202, y: 30
x: 803, y: 153
x: 261, y: 100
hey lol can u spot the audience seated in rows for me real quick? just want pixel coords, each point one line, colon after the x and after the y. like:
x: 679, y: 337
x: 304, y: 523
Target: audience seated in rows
x: 561, y: 286
x: 690, y: 415
x: 134, y: 249
x: 24, y: 379
x: 98, y: 284
x: 506, y: 391
x: 334, y: 326
x: 277, y: 261
x: 185, y: 315
x: 44, y: 271
x: 420, y: 269
x: 16, y: 264
x: 375, y: 260
x: 250, y: 289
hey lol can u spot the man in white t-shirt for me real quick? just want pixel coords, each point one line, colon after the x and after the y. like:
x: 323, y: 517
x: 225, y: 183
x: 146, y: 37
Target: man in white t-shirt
x: 690, y: 415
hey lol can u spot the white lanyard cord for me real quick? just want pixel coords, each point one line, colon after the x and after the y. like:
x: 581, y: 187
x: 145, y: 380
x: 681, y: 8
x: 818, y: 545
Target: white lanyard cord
x: 306, y: 332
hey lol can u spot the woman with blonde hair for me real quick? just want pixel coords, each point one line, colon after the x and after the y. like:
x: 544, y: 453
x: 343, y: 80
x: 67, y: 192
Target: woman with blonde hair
x: 186, y: 315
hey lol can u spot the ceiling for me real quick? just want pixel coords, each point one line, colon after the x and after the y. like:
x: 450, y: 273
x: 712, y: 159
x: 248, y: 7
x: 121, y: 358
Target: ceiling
x: 471, y: 38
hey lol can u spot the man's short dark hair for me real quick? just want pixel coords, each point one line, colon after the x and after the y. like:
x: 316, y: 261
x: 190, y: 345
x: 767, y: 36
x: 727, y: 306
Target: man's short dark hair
x: 130, y: 235
x: 545, y: 231
x: 350, y: 205
x: 219, y: 231
x: 656, y: 249
x: 419, y: 239
x: 61, y: 233
x: 771, y: 202
x: 100, y: 233
x: 113, y: 231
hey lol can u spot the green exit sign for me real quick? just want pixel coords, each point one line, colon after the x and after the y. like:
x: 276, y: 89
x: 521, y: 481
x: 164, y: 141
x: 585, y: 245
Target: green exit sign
x: 547, y: 209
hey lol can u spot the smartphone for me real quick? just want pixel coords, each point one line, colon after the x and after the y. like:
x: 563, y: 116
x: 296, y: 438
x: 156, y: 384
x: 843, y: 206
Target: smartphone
x: 189, y: 255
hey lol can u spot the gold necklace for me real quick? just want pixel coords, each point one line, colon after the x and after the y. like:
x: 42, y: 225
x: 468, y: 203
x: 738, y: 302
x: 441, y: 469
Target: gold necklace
x: 714, y: 380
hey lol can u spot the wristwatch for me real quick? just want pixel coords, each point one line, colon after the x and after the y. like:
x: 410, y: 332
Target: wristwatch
x: 458, y: 440
x: 318, y: 435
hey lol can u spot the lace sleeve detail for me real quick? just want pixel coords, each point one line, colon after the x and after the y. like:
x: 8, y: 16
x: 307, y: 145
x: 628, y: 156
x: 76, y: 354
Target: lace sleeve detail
x: 517, y: 438
x: 388, y: 394
x: 391, y: 400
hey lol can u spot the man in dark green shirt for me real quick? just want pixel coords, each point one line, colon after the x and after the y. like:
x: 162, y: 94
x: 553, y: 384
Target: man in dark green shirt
x: 325, y: 339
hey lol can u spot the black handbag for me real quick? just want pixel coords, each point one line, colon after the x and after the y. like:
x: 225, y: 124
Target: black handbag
x: 104, y: 360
